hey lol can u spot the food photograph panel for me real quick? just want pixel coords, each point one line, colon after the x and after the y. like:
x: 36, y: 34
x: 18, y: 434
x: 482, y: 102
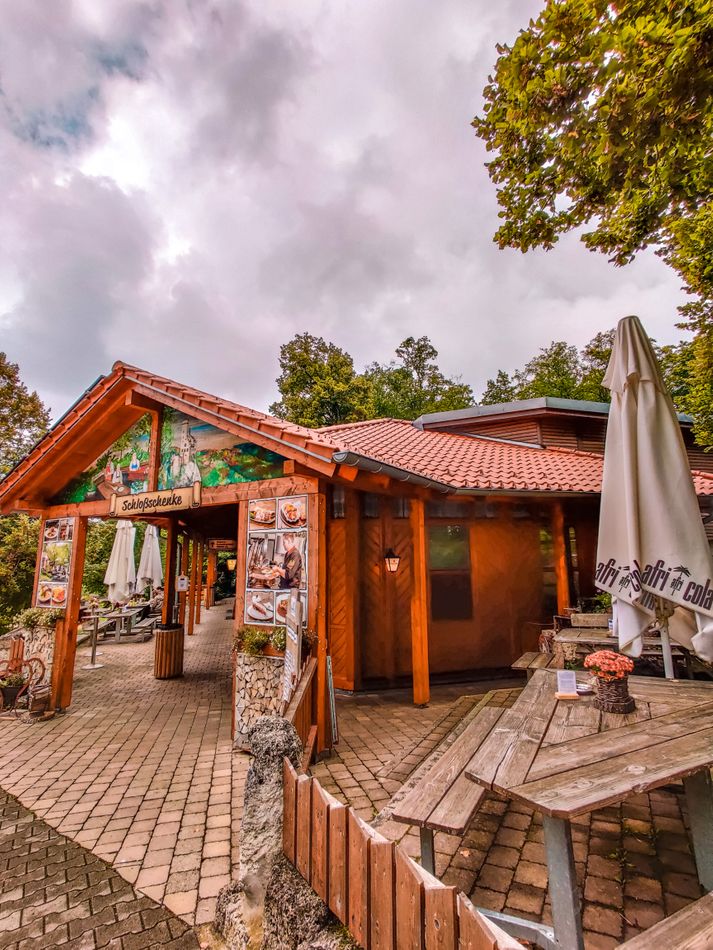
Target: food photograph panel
x: 282, y: 602
x: 261, y: 571
x: 51, y: 595
x: 291, y: 559
x: 262, y: 513
x: 292, y: 512
x: 54, y: 562
x: 260, y: 607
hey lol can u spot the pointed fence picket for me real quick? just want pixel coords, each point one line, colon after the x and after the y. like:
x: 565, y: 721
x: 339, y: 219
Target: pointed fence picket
x: 385, y: 899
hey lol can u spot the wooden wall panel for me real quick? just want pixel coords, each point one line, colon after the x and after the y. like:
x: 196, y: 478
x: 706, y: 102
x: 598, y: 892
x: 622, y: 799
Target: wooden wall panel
x: 507, y: 593
x: 375, y: 639
x: 343, y: 592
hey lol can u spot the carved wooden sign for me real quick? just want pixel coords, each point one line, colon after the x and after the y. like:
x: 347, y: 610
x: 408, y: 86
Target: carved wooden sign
x: 155, y: 502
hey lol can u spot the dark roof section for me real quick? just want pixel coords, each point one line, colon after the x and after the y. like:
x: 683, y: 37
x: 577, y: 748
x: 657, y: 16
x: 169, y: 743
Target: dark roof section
x: 536, y: 406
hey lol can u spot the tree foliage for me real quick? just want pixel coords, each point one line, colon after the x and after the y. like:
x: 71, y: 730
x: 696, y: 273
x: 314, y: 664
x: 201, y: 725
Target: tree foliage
x: 412, y: 384
x: 19, y: 535
x: 560, y: 370
x: 23, y: 418
x: 319, y: 385
x: 601, y: 116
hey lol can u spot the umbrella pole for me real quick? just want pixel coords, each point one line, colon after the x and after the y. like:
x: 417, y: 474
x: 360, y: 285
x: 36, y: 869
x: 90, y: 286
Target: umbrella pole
x: 662, y: 615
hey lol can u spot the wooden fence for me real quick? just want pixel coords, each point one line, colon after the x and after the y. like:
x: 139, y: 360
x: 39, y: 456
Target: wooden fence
x: 385, y: 899
x: 302, y: 711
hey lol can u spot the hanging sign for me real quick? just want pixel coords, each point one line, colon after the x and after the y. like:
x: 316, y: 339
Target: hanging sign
x: 182, y: 583
x: 155, y: 502
x: 217, y: 544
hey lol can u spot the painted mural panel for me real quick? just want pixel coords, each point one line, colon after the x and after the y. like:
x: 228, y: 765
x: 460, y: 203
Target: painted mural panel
x: 121, y: 470
x: 193, y: 451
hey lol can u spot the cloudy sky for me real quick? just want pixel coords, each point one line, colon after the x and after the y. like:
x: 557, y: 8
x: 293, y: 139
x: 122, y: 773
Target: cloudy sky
x: 187, y: 184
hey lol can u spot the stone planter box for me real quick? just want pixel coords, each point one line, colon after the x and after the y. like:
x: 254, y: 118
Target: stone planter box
x: 258, y: 690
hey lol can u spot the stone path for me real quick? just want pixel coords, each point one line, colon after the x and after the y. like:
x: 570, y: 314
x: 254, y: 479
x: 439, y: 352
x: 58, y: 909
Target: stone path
x: 54, y: 893
x: 633, y: 860
x: 140, y: 771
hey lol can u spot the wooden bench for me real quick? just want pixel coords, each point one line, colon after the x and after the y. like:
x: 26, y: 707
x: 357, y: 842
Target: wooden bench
x: 690, y: 928
x: 536, y: 661
x: 444, y: 799
x: 143, y: 630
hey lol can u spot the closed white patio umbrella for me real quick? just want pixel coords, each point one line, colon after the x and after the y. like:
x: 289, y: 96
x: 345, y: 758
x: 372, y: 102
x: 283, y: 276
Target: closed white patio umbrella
x: 653, y: 555
x: 150, y: 572
x: 120, y: 574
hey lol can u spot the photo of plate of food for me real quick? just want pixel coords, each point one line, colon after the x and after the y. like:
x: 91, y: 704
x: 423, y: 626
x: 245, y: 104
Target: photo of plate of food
x: 262, y: 512
x: 260, y: 607
x: 293, y: 512
x: 44, y: 593
x: 51, y: 531
x: 59, y: 595
x: 282, y: 603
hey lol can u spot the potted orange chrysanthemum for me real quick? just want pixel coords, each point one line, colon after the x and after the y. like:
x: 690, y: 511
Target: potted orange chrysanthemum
x: 611, y: 672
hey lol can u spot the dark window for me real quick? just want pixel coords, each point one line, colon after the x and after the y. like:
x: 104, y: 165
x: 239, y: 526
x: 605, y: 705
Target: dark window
x: 449, y: 566
x: 549, y: 580
x: 338, y: 502
x: 401, y: 508
x: 572, y: 564
x: 370, y: 506
x: 448, y: 509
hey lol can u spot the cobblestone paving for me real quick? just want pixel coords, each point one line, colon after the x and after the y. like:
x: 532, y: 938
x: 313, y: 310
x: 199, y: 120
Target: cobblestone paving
x: 633, y: 860
x: 54, y: 893
x: 140, y: 770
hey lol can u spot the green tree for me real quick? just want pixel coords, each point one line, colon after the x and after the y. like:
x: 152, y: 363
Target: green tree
x: 413, y: 384
x: 318, y: 384
x: 500, y: 389
x: 594, y: 360
x: 19, y: 536
x: 555, y: 371
x: 600, y: 115
x: 23, y: 418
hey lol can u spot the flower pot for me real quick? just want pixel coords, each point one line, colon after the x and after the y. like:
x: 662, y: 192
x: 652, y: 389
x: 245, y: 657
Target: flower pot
x: 270, y: 650
x: 613, y: 695
x: 9, y: 695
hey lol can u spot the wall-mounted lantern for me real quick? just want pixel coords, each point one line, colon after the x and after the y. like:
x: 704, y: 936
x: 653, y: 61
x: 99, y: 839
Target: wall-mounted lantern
x: 391, y: 560
x: 230, y: 563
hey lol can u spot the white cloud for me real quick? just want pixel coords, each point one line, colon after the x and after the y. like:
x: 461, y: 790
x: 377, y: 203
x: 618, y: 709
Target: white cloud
x: 190, y: 184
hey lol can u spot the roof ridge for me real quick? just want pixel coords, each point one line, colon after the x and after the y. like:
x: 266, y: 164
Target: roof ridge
x: 358, y: 423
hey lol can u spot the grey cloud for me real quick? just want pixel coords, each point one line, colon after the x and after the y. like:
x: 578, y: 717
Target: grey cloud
x: 233, y: 173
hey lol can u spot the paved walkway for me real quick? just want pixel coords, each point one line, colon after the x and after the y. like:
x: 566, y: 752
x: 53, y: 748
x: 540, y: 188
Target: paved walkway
x: 140, y: 770
x: 54, y: 893
x: 633, y: 860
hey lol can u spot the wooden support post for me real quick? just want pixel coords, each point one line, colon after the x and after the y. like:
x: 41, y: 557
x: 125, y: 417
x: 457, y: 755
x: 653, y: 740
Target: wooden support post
x: 169, y: 580
x: 193, y: 586
x: 241, y: 553
x: 560, y: 557
x: 317, y: 608
x: 185, y: 570
x: 211, y: 575
x: 199, y: 583
x: 65, y: 647
x: 155, y: 449
x: 419, y: 605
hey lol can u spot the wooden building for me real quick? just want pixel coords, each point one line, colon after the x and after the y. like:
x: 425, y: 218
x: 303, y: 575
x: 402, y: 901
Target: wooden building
x: 426, y: 549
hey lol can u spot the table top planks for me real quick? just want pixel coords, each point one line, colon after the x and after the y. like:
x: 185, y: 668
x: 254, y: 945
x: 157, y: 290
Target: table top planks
x: 566, y: 758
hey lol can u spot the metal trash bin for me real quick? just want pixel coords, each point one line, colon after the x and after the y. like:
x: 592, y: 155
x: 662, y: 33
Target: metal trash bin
x: 168, y: 654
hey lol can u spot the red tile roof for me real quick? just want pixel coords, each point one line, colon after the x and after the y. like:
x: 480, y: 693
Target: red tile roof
x: 474, y: 462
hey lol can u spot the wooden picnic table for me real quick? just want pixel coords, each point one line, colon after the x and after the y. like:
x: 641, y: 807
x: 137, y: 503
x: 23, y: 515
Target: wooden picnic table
x: 123, y: 620
x: 599, y: 639
x: 565, y: 758
x: 444, y: 799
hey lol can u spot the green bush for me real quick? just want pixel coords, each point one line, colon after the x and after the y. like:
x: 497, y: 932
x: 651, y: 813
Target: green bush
x: 279, y: 638
x: 13, y: 680
x: 253, y: 639
x: 34, y: 617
